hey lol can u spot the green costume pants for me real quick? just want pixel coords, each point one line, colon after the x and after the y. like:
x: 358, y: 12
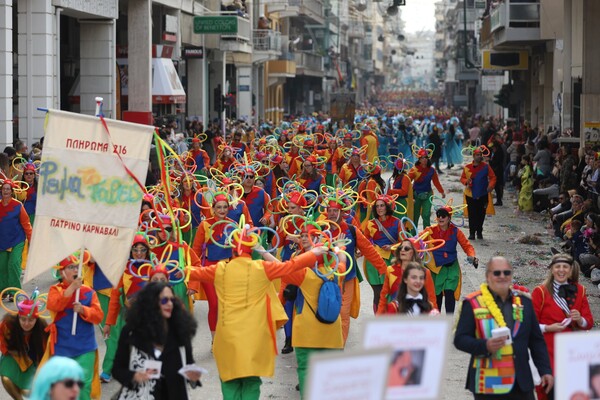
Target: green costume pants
x: 302, y: 356
x: 10, y: 267
x: 86, y: 361
x: 422, y: 209
x: 242, y: 388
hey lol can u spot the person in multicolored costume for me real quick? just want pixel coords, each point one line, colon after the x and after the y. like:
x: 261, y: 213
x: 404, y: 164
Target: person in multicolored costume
x: 309, y: 334
x: 209, y: 245
x: 245, y: 342
x: 479, y: 180
x: 23, y: 340
x: 422, y: 175
x: 383, y: 230
x: 499, y: 366
x: 358, y: 241
x: 15, y: 228
x: 289, y: 244
x: 446, y: 272
x: 405, y: 252
x: 370, y: 140
x: 400, y: 185
x: 82, y: 347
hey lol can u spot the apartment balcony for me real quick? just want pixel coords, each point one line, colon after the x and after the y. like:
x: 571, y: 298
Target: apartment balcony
x: 310, y: 8
x: 267, y: 45
x: 356, y: 31
x: 280, y: 70
x: 240, y: 41
x: 465, y: 74
x: 309, y: 64
x: 515, y: 23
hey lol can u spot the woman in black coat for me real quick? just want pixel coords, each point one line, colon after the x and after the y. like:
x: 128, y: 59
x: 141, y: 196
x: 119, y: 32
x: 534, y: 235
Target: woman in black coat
x: 158, y: 329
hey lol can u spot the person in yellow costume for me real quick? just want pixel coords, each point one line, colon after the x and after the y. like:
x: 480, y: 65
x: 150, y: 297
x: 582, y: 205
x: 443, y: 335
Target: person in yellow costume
x: 369, y: 139
x: 249, y: 311
x: 309, y: 335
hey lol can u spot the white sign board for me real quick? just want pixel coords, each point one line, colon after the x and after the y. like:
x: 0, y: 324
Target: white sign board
x: 420, y: 350
x: 86, y: 197
x: 351, y: 375
x: 577, y: 365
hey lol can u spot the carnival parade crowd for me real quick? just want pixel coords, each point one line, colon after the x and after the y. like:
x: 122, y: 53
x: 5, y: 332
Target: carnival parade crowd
x: 267, y: 225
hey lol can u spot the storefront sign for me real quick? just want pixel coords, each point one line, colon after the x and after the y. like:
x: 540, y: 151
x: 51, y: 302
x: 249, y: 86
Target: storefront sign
x: 193, y: 52
x: 216, y: 24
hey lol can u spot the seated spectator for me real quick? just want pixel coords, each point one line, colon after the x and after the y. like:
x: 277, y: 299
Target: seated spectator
x: 559, y: 221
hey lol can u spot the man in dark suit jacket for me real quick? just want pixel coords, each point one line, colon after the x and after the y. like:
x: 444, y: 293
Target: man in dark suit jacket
x: 525, y: 336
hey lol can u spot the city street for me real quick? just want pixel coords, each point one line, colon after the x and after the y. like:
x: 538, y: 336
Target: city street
x: 500, y: 233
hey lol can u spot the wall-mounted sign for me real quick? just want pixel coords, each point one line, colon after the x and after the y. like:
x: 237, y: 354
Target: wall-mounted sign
x: 193, y: 52
x: 216, y: 24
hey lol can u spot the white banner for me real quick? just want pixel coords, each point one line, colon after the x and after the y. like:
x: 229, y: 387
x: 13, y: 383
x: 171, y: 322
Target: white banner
x: 85, y: 195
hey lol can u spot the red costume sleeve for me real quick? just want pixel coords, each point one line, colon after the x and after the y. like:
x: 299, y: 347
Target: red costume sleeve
x: 491, y: 178
x: 412, y: 173
x: 436, y: 182
x: 246, y: 213
x: 367, y: 250
x: 4, y: 333
x: 385, y: 289
x: 194, y: 262
x: 463, y: 176
x: 430, y: 288
x: 584, y: 308
x: 206, y: 274
x: 114, y: 305
x: 537, y: 298
x: 277, y: 269
x: 25, y: 223
x: 464, y: 243
x: 206, y: 158
x: 56, y: 300
x: 200, y: 238
x: 405, y: 187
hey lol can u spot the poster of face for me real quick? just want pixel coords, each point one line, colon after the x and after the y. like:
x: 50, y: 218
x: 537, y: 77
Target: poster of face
x: 577, y: 365
x: 420, y: 350
x: 364, y: 375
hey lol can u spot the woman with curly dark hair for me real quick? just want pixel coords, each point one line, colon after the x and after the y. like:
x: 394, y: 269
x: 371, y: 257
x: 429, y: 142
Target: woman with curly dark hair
x: 154, y: 345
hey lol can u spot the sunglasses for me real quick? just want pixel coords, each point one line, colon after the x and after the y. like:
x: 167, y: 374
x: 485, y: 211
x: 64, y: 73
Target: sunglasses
x: 168, y: 228
x: 406, y: 248
x: 165, y: 300
x: 69, y: 383
x: 140, y: 250
x: 29, y: 173
x: 506, y: 272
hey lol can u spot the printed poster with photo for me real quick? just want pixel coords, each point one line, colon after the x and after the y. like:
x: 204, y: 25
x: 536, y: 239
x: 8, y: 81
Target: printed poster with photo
x: 420, y: 351
x: 577, y: 365
x: 364, y: 375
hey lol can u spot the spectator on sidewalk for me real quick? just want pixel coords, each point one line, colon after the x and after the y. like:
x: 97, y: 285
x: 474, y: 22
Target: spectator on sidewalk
x: 510, y: 311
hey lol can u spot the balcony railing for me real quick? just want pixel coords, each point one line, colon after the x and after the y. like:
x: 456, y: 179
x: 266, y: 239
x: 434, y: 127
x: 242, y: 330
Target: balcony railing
x: 516, y: 15
x: 244, y: 32
x: 314, y: 6
x: 267, y: 40
x: 356, y: 31
x: 309, y: 61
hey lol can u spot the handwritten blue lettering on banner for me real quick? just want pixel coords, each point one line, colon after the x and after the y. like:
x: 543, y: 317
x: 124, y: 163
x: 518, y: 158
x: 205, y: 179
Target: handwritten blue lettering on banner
x: 56, y: 180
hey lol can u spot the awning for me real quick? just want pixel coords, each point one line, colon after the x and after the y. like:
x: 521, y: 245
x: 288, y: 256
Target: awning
x: 166, y: 86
